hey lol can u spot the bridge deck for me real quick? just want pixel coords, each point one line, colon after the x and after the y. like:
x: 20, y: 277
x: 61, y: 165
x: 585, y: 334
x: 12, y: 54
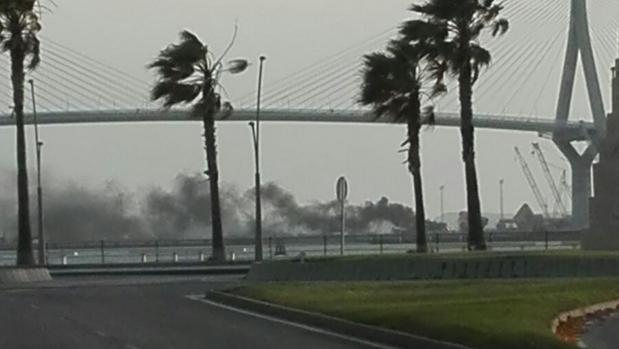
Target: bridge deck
x: 574, y: 130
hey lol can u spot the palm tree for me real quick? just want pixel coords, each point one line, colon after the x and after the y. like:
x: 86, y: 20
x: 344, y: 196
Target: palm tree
x: 392, y: 86
x: 19, y: 26
x: 188, y: 74
x: 450, y: 31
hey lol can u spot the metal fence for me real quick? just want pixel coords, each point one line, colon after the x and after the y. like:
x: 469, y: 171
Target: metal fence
x: 196, y: 251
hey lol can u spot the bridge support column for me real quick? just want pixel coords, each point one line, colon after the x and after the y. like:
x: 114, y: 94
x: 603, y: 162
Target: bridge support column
x: 581, y: 165
x: 579, y: 42
x: 581, y: 190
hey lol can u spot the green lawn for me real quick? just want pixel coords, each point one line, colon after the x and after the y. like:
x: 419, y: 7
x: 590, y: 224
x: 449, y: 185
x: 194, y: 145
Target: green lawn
x: 483, y: 314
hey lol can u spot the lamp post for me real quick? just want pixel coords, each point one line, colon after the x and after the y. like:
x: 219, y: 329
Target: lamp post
x: 255, y: 128
x: 442, y: 190
x: 39, y: 145
x: 501, y: 182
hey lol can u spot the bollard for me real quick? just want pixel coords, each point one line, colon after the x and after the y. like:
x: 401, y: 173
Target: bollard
x: 144, y: 258
x: 232, y: 256
x: 201, y: 257
x: 175, y: 257
x: 64, y: 260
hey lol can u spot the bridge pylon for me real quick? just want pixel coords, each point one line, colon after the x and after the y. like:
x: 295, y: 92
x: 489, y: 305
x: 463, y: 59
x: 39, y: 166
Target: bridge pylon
x: 579, y: 43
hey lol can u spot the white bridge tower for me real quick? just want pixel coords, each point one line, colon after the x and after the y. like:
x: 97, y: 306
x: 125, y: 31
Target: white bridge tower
x: 579, y: 44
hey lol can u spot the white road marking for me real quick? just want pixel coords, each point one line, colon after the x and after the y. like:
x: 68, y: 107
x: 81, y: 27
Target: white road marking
x: 100, y: 333
x: 200, y: 298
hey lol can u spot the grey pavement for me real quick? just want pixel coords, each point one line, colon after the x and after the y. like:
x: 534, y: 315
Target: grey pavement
x: 136, y: 313
x: 603, y: 334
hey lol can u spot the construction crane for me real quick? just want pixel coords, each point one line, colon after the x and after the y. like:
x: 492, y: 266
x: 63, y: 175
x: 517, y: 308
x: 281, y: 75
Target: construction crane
x: 529, y: 176
x: 537, y: 150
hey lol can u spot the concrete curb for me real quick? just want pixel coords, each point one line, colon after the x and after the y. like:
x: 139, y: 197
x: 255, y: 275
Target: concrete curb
x: 344, y: 327
x: 154, y: 270
x: 582, y: 312
x: 23, y: 275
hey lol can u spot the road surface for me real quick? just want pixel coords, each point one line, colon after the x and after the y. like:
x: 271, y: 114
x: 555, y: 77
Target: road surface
x: 142, y: 313
x: 603, y: 334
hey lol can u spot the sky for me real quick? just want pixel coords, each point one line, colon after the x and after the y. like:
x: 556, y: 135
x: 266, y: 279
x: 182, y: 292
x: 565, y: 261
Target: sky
x: 304, y: 158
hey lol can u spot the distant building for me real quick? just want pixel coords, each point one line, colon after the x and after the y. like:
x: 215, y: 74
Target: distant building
x: 463, y: 222
x: 525, y: 220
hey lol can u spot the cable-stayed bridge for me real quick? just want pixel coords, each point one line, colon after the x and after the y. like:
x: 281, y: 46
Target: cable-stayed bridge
x: 580, y: 130
x: 527, y: 88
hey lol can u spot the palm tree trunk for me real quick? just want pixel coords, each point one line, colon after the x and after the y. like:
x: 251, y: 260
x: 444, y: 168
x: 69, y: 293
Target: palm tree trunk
x: 219, y: 253
x: 414, y: 161
x: 25, y: 256
x: 476, y: 239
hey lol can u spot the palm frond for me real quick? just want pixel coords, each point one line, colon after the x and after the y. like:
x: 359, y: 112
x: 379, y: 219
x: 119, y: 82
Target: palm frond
x: 33, y: 51
x: 500, y: 27
x: 17, y: 5
x: 480, y: 58
x: 428, y: 115
x: 179, y: 59
x: 173, y: 92
x: 390, y: 81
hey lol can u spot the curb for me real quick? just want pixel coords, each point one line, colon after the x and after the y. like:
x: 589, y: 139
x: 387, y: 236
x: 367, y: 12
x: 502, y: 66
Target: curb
x: 240, y: 270
x: 18, y: 275
x: 564, y: 317
x: 371, y: 333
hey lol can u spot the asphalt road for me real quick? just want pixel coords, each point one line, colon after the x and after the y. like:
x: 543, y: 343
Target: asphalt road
x: 603, y: 334
x: 141, y: 313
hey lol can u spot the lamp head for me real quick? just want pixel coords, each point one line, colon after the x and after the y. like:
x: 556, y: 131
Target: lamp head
x: 237, y: 66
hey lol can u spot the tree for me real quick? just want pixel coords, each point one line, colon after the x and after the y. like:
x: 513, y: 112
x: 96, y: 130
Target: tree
x: 451, y: 34
x: 392, y: 86
x: 189, y: 75
x: 19, y: 26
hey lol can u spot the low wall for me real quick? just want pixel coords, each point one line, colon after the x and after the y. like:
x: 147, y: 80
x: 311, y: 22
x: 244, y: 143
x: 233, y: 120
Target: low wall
x: 435, y: 267
x: 23, y: 275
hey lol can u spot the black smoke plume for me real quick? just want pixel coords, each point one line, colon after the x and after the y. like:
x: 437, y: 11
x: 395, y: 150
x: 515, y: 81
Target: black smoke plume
x: 77, y: 213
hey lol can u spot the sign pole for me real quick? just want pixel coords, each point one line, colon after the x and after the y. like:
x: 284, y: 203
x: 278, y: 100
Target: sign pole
x: 341, y: 190
x: 342, y: 226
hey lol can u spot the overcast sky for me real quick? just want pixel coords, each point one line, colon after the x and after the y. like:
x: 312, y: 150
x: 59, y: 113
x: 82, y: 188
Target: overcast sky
x: 304, y: 158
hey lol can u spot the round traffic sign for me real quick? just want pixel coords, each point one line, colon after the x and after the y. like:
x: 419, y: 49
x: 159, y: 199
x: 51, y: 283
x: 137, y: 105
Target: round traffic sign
x: 341, y: 189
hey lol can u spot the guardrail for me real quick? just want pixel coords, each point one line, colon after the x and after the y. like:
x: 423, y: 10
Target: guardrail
x: 242, y: 249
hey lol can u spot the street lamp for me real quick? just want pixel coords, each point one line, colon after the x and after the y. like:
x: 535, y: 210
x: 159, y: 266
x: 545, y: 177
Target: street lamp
x: 39, y: 145
x: 501, y: 182
x: 442, y: 190
x: 255, y: 129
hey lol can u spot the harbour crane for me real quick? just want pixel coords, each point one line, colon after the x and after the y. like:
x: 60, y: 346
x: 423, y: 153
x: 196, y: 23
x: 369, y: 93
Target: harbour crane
x: 537, y: 150
x: 531, y: 180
